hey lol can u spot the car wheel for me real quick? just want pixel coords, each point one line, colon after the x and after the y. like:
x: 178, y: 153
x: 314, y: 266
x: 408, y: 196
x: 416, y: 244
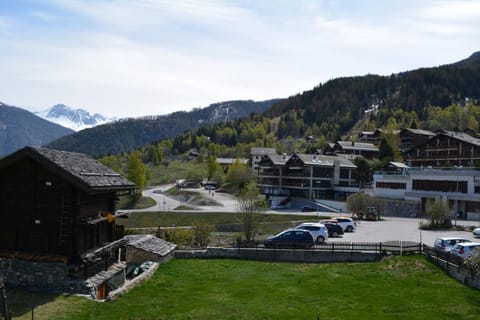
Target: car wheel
x: 349, y: 229
x: 334, y: 234
x: 320, y: 239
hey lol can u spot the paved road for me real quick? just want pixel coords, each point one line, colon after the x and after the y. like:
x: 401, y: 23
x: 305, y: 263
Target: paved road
x: 390, y: 228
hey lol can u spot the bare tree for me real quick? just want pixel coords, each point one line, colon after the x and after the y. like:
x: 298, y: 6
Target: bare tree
x: 439, y: 215
x: 250, y: 207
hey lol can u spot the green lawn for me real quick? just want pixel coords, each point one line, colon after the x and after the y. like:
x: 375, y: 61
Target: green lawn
x: 407, y: 287
x: 167, y: 219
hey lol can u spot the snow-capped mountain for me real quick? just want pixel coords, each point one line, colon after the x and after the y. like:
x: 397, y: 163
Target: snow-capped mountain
x: 75, y: 119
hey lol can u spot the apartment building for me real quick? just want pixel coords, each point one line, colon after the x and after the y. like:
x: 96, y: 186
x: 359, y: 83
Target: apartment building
x: 459, y: 188
x: 308, y: 176
x: 445, y: 149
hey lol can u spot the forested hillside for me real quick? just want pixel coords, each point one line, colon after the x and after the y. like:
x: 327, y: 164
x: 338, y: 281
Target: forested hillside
x: 19, y: 128
x: 444, y: 97
x: 129, y: 134
x: 335, y: 106
x: 431, y: 98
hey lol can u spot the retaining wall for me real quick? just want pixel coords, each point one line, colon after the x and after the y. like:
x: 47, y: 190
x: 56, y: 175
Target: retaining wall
x: 287, y: 255
x: 41, y: 276
x: 459, y: 273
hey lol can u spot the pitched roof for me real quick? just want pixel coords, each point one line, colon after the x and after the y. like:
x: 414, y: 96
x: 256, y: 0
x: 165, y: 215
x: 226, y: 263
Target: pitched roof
x: 80, y: 169
x: 361, y: 146
x: 419, y: 132
x: 150, y: 243
x: 231, y: 160
x: 462, y: 136
x: 262, y: 151
x: 321, y: 160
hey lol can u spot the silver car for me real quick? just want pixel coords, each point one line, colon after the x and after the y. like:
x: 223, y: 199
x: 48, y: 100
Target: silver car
x: 446, y: 244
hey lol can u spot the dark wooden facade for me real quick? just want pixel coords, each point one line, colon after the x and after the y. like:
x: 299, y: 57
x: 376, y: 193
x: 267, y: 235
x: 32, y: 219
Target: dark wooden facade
x: 446, y: 149
x: 56, y: 203
x: 410, y: 138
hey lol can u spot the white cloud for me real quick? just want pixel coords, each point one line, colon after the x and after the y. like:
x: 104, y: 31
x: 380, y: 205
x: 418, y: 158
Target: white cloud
x: 141, y: 57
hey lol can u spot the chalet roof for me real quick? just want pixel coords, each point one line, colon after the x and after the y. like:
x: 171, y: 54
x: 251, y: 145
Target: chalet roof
x: 262, y: 151
x: 419, y: 132
x: 79, y: 169
x: 279, y: 159
x: 360, y: 146
x: 321, y: 160
x: 399, y: 165
x: 231, y: 160
x: 461, y: 136
x: 150, y: 243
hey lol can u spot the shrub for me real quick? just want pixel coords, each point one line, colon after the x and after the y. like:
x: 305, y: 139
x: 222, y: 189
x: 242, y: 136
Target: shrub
x: 201, y: 234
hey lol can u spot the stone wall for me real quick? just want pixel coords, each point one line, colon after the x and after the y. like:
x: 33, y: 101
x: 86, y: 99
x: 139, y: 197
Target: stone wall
x: 401, y: 208
x: 137, y: 256
x: 287, y: 255
x: 41, y: 276
x: 461, y: 274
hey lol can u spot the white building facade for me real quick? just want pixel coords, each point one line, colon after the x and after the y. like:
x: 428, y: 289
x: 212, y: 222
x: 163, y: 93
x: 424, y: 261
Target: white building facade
x: 459, y: 188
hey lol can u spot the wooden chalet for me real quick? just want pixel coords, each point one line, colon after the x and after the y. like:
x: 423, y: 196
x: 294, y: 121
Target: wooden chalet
x: 445, y: 149
x: 57, y: 204
x: 410, y: 138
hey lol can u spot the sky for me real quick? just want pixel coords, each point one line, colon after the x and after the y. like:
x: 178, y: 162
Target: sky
x: 132, y: 58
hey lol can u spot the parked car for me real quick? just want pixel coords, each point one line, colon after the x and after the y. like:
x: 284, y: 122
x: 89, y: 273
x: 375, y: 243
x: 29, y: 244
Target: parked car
x: 446, y: 244
x: 308, y: 209
x: 318, y: 231
x: 220, y: 190
x: 347, y: 224
x: 476, y: 232
x: 465, y: 249
x: 210, y: 187
x: 334, y: 229
x: 278, y: 206
x: 290, y: 238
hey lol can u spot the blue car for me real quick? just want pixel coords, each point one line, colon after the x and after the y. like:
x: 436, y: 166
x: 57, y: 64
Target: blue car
x: 292, y: 238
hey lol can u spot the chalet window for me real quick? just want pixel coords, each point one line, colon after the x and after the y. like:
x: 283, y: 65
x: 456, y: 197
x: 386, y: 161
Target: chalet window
x: 391, y: 185
x: 441, y: 186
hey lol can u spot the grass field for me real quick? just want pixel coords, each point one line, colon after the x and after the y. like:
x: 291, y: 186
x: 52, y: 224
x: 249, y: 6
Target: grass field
x: 167, y: 219
x: 406, y: 287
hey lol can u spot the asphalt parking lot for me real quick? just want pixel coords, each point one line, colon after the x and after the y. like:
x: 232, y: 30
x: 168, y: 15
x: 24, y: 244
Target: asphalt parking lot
x: 388, y: 229
x: 406, y: 229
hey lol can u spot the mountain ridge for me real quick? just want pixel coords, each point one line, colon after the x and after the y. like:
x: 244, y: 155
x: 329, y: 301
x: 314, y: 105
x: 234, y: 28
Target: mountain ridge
x: 75, y: 119
x: 19, y: 128
x: 125, y: 135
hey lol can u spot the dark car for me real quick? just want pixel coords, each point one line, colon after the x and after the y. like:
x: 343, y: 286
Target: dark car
x: 308, y: 209
x: 293, y: 238
x: 334, y: 230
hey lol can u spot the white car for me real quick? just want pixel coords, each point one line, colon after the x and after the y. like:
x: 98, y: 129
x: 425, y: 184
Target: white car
x: 347, y: 224
x: 318, y: 230
x: 465, y: 250
x: 446, y: 244
x: 476, y: 233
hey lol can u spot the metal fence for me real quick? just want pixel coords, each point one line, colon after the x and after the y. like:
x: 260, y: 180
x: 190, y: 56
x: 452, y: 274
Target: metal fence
x: 393, y: 247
